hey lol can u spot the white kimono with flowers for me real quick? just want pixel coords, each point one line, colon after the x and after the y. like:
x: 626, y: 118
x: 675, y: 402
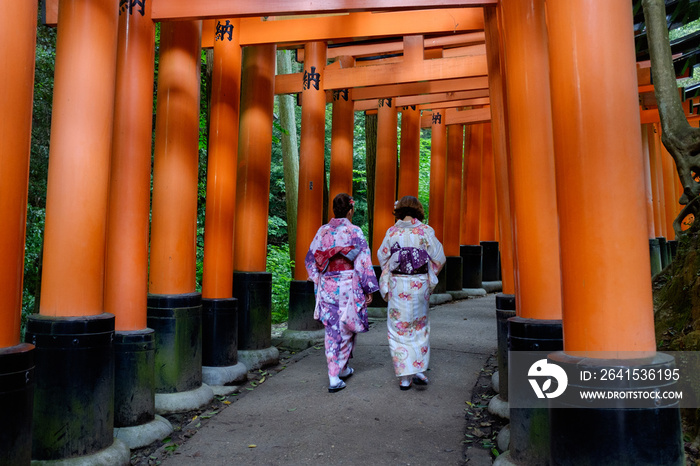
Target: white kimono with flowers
x: 408, y: 294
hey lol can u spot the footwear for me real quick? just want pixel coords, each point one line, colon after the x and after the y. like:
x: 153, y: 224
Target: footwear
x: 336, y: 388
x: 420, y: 379
x: 405, y: 383
x: 346, y: 373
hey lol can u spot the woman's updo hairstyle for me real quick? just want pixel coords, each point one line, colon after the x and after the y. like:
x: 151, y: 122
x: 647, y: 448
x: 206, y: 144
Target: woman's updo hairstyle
x: 342, y: 203
x: 408, y: 205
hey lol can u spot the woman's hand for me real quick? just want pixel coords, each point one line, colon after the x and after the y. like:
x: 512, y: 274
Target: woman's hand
x: 368, y: 298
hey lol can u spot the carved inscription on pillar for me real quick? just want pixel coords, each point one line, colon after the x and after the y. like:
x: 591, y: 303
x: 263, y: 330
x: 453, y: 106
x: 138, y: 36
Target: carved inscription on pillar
x: 412, y: 107
x: 222, y: 30
x: 383, y: 102
x: 312, y: 78
x: 340, y: 94
x: 128, y: 6
x: 437, y: 118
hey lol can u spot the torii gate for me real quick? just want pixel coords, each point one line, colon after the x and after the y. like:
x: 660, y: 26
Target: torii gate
x: 596, y: 147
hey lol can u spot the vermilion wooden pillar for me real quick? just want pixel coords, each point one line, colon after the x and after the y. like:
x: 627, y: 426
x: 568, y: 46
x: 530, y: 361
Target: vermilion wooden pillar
x: 252, y: 286
x: 654, y: 147
x: 657, y: 185
x: 453, y: 193
x: 438, y: 155
x: 217, y: 277
x: 470, y: 249
x: 341, y: 146
x: 537, y: 276
x: 18, y: 39
x: 126, y: 260
x: 491, y: 269
x: 311, y: 175
x: 654, y: 248
x: 385, y: 172
x: 73, y: 335
x: 608, y: 309
x: 670, y: 200
x: 658, y: 153
x: 174, y: 306
x: 410, y: 152
x: 313, y: 111
x: 219, y: 308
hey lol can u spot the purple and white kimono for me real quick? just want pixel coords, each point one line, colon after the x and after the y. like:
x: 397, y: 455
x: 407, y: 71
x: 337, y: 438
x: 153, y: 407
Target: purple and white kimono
x: 410, y: 257
x: 340, y: 265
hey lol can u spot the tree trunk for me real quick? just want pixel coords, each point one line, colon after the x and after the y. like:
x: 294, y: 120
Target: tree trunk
x: 681, y: 140
x: 370, y: 163
x: 290, y: 151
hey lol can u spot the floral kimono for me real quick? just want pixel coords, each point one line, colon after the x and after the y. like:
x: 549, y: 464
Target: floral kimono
x: 340, y: 265
x: 410, y: 257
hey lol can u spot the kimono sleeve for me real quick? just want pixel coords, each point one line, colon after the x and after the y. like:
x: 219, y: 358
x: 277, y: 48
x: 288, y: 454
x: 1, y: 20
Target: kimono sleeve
x: 435, y: 251
x: 363, y: 264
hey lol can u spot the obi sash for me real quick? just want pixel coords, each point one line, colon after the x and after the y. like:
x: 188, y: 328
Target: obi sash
x: 335, y: 259
x: 408, y: 260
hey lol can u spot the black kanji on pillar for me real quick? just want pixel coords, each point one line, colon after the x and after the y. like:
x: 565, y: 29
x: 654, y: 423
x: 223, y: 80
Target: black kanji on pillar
x: 340, y: 94
x: 223, y: 29
x: 437, y: 118
x: 383, y: 102
x: 312, y: 79
x: 129, y: 5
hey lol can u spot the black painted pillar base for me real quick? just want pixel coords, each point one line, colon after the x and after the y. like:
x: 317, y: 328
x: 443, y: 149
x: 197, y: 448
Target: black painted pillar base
x: 134, y: 378
x: 491, y: 269
x: 655, y: 256
x: 453, y: 273
x: 626, y: 435
x: 672, y: 248
x: 177, y: 321
x: 16, y: 403
x: 505, y: 309
x: 302, y: 301
x: 529, y: 427
x: 74, y: 395
x: 471, y: 265
x: 441, y: 287
x: 219, y: 332
x: 254, y: 293
x: 377, y: 300
x: 665, y: 256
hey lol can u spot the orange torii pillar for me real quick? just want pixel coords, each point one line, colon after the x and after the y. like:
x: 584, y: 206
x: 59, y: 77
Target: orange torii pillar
x: 385, y: 174
x: 409, y: 163
x: 126, y: 259
x: 470, y: 249
x: 538, y: 277
x: 72, y: 333
x: 654, y: 248
x: 505, y: 301
x: 453, y: 193
x: 608, y: 310
x: 657, y: 173
x: 174, y: 305
x: 311, y: 180
x: 252, y: 285
x: 668, y: 167
x: 220, y: 364
x: 18, y: 39
x: 436, y: 201
x: 491, y: 264
x: 343, y: 128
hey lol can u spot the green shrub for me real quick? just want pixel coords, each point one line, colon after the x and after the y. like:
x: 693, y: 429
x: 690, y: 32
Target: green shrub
x: 280, y: 265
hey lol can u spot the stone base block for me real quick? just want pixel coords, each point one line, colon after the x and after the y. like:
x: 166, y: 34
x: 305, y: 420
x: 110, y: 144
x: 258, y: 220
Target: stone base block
x: 168, y: 403
x: 299, y: 340
x: 492, y: 287
x: 440, y: 298
x: 257, y: 359
x: 499, y: 407
x: 144, y: 434
x: 217, y: 376
x: 117, y: 454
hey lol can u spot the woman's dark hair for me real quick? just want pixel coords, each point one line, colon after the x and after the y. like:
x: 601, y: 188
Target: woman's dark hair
x: 342, y: 203
x: 409, y: 205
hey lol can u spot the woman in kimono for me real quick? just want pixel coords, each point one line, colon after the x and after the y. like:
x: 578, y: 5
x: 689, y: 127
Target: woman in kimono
x: 340, y: 265
x: 410, y: 257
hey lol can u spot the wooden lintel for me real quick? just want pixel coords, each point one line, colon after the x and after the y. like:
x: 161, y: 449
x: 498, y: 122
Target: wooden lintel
x: 359, y: 50
x: 455, y: 104
x: 458, y: 117
x: 428, y: 70
x: 426, y: 100
x: 256, y: 31
x: 167, y: 10
x: 418, y: 88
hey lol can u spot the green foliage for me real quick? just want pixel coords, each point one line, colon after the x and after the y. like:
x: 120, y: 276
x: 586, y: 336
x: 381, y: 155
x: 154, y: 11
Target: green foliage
x: 424, y: 170
x: 279, y: 264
